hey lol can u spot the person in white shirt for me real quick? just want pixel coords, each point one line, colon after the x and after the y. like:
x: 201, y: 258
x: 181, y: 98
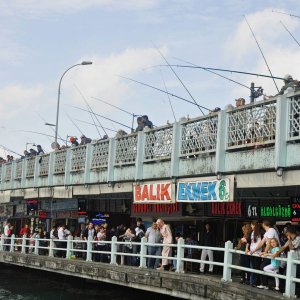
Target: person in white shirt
x: 61, y: 237
x: 7, y: 230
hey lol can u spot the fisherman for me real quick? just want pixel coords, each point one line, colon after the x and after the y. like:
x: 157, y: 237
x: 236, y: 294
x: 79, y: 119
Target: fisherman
x: 73, y: 141
x: 85, y: 140
x: 140, y: 123
x: 147, y: 122
x: 39, y: 150
x: 289, y: 82
x: 32, y: 152
x: 120, y: 133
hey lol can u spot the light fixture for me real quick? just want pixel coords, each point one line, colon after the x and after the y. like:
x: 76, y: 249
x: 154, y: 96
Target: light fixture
x: 86, y: 186
x: 66, y: 187
x: 219, y: 176
x: 109, y: 184
x: 279, y: 172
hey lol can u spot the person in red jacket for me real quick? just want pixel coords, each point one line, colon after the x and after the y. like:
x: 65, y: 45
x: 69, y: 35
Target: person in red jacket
x: 24, y: 230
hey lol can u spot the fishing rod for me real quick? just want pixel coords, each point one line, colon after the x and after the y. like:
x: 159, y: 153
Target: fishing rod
x: 158, y: 89
x: 290, y: 33
x: 279, y: 12
x: 222, y: 70
x: 101, y: 116
x: 9, y: 150
x: 253, y: 93
x: 119, y: 108
x: 74, y: 123
x: 261, y: 52
x: 91, y: 111
x: 40, y: 133
x: 43, y: 119
x: 168, y: 95
x: 179, y: 79
x: 95, y: 125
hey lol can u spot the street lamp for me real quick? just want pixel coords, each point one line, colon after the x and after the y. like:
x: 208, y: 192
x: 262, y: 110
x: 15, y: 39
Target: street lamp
x: 58, y: 96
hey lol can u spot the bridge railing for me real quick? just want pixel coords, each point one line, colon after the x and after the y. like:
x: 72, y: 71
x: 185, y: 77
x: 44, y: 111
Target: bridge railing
x: 137, y: 254
x: 294, y: 118
x: 252, y: 124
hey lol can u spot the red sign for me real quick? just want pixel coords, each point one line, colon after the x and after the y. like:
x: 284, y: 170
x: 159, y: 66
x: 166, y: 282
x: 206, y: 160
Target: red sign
x: 162, y: 192
x: 226, y: 209
x: 156, y: 209
x: 43, y: 214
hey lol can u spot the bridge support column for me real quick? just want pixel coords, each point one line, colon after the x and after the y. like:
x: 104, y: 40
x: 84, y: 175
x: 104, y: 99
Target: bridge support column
x: 221, y: 142
x: 111, y: 160
x: 176, y: 142
x: 140, y: 156
x: 227, y: 261
x: 88, y: 160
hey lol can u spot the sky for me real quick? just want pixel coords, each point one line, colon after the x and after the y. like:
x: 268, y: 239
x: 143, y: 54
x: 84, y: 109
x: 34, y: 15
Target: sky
x: 40, y: 39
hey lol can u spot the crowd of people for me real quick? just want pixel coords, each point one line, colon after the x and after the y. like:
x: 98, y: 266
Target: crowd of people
x: 260, y: 243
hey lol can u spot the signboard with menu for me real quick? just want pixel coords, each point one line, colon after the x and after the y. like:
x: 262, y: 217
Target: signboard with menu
x: 296, y: 210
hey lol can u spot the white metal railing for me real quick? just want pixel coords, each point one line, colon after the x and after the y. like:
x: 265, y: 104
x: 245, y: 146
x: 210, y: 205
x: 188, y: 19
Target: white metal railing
x: 136, y: 252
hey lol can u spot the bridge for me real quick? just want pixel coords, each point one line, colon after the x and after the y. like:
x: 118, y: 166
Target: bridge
x: 258, y: 143
x: 39, y: 254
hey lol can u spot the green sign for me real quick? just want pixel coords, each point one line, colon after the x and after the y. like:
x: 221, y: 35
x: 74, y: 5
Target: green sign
x: 276, y: 211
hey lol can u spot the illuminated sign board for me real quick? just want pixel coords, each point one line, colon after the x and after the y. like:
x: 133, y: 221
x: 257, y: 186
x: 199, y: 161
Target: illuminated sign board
x: 205, y: 190
x: 154, y: 192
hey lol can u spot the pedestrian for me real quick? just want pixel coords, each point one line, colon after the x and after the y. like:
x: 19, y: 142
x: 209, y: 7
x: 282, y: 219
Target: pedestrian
x: 153, y: 236
x: 32, y: 152
x: 128, y: 239
x: 73, y: 141
x: 85, y: 140
x: 273, y: 267
x: 7, y: 233
x: 62, y: 244
x: 166, y: 233
x: 147, y: 122
x: 209, y: 241
x: 40, y: 150
x: 140, y: 123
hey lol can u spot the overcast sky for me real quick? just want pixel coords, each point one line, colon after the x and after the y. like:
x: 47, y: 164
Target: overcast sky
x: 40, y: 39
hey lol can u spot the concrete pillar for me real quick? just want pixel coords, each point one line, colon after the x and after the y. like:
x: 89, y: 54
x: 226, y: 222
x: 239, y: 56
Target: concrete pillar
x: 51, y: 246
x: 89, y: 249
x: 69, y: 246
x: 51, y: 168
x: 36, y: 246
x: 36, y: 171
x: 111, y: 160
x: 281, y: 132
x: 23, y: 177
x: 2, y: 243
x: 12, y: 243
x: 68, y: 166
x: 23, y: 249
x: 221, y: 142
x: 139, y: 162
x: 88, y: 161
x: 176, y: 146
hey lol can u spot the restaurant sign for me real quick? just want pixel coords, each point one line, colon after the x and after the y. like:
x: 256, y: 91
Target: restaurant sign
x: 296, y: 210
x: 205, y: 190
x: 162, y: 192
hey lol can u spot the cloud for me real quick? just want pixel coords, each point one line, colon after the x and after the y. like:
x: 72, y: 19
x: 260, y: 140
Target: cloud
x: 17, y: 99
x: 35, y: 8
x: 101, y: 79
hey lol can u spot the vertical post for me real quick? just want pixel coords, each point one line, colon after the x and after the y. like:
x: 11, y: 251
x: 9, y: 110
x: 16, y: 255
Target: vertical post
x: 227, y: 261
x: 23, y: 251
x: 143, y: 252
x: 51, y: 246
x: 2, y: 242
x: 69, y: 246
x: 281, y: 137
x: 114, y: 247
x: 51, y: 168
x: 69, y: 154
x: 176, y: 146
x: 139, y: 161
x: 290, y: 275
x: 180, y: 256
x: 111, y: 160
x: 88, y: 161
x: 36, y: 246
x: 12, y: 243
x: 89, y: 249
x: 221, y: 142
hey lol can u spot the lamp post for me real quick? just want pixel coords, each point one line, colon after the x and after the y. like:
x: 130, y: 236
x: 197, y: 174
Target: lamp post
x: 58, y: 96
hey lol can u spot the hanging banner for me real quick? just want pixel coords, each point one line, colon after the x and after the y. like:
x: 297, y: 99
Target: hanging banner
x: 205, y: 190
x: 154, y: 192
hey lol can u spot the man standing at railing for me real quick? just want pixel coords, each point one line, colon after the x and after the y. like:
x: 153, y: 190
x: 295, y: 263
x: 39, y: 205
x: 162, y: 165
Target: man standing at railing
x: 61, y: 244
x: 153, y: 237
x: 209, y: 241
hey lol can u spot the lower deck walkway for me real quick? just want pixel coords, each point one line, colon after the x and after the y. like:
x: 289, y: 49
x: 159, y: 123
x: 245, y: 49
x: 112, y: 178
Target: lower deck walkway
x: 186, y: 286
